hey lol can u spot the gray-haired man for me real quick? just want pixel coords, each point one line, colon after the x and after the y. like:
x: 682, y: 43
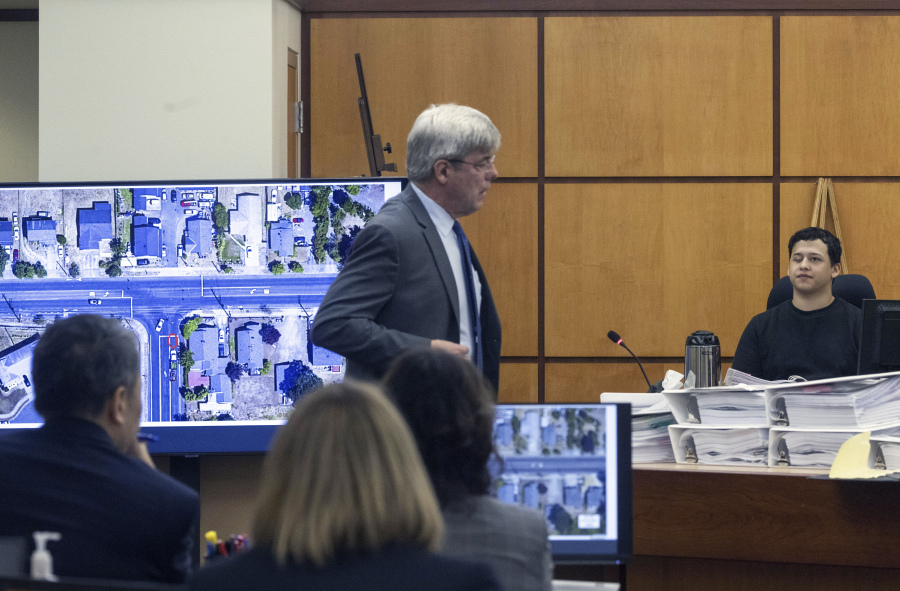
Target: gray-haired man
x: 412, y: 279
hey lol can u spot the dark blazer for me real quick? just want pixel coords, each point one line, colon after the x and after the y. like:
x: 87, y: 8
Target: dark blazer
x: 396, y: 569
x: 396, y: 292
x: 510, y: 538
x: 119, y: 518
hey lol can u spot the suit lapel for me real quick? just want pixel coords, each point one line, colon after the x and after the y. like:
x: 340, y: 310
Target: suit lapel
x: 435, y: 244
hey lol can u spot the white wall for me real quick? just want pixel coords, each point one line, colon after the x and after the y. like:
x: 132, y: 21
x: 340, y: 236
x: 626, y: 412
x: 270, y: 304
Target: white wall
x: 286, y: 35
x: 161, y: 89
x: 18, y: 102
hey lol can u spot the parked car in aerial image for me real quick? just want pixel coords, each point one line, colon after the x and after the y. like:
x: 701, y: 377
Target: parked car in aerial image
x: 94, y: 302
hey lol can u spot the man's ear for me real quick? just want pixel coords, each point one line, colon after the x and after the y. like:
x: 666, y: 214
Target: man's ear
x: 440, y: 169
x: 835, y: 270
x: 116, y: 406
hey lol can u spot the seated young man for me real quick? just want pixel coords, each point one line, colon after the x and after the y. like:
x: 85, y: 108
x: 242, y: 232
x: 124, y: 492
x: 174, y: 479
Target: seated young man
x: 815, y: 335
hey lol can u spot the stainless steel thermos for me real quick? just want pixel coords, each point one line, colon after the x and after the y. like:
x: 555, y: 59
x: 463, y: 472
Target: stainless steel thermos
x: 702, y: 356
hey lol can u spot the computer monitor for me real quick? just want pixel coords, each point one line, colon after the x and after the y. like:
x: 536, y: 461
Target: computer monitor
x: 219, y: 281
x: 879, y: 348
x: 572, y: 463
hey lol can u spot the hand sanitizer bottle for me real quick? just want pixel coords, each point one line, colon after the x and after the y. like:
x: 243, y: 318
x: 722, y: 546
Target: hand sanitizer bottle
x: 41, y: 560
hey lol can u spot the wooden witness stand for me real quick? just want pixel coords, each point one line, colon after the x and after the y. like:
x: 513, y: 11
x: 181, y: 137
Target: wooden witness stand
x: 706, y: 527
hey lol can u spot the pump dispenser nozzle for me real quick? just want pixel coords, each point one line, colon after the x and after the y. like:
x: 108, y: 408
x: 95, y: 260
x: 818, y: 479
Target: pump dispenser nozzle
x: 41, y: 560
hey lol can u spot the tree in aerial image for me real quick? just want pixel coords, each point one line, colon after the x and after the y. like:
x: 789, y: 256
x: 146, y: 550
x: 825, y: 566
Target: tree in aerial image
x: 299, y: 379
x: 269, y: 334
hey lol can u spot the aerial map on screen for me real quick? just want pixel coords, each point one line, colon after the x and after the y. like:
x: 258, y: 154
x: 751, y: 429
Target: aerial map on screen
x: 218, y: 281
x: 560, y: 460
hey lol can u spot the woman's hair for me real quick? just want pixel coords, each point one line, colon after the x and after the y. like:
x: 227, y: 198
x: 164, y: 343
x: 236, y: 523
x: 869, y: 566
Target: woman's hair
x: 343, y: 476
x: 448, y: 406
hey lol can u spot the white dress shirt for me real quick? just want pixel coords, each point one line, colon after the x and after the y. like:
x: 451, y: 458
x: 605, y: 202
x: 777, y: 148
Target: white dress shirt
x: 444, y: 225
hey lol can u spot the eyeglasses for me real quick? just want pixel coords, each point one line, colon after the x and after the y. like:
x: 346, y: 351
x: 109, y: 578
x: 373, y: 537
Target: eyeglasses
x: 480, y: 166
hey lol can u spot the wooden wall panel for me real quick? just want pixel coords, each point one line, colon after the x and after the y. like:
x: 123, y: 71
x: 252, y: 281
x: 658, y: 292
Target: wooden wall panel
x: 658, y: 96
x: 228, y: 488
x: 869, y: 223
x: 504, y: 235
x: 518, y: 383
x: 584, y: 382
x: 654, y: 262
x: 840, y: 95
x: 486, y: 63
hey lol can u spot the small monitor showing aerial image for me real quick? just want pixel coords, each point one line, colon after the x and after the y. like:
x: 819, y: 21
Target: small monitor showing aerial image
x: 563, y: 460
x: 218, y: 280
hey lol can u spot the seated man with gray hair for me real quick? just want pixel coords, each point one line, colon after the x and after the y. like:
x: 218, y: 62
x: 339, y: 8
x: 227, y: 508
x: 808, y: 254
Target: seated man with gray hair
x: 412, y: 280
x: 83, y: 473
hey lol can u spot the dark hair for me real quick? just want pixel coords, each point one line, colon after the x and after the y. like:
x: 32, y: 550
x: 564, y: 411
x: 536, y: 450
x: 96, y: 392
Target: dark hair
x: 830, y: 240
x: 79, y: 362
x: 448, y: 406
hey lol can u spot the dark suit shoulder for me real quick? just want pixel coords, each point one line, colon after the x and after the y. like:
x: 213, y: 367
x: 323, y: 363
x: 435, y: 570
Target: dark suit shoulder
x: 397, y: 569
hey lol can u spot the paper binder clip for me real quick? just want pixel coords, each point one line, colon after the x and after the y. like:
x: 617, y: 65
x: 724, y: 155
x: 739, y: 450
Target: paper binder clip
x: 693, y: 410
x: 879, y: 458
x: 690, y: 453
x: 782, y: 413
x: 784, y: 458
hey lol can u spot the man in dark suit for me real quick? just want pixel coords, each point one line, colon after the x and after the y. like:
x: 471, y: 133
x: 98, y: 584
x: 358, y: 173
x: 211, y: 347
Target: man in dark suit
x: 412, y: 279
x: 83, y: 473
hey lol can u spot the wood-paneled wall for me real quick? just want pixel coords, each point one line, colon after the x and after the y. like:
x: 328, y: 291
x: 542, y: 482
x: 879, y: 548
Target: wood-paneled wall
x: 653, y: 164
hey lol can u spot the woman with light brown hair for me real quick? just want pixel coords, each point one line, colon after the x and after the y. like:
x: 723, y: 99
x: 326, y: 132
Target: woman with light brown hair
x: 345, y: 503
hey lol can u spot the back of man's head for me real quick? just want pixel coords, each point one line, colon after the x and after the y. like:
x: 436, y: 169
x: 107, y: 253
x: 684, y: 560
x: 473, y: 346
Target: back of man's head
x: 808, y: 234
x: 449, y: 132
x: 78, y: 364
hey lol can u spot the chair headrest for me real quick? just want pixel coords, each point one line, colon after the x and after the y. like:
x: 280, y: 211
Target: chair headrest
x: 851, y: 288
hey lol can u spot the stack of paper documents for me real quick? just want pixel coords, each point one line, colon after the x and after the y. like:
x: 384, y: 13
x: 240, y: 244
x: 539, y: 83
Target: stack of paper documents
x: 650, y: 419
x: 734, y: 377
x: 727, y: 425
x: 805, y: 448
x: 736, y: 406
x: 853, y: 402
x: 813, y: 448
x: 710, y: 445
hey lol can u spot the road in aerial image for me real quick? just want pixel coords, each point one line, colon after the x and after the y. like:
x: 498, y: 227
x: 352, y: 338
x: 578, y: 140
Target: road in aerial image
x: 218, y: 282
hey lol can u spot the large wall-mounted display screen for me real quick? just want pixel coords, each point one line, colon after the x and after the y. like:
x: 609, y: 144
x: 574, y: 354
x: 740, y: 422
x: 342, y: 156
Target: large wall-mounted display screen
x: 219, y: 281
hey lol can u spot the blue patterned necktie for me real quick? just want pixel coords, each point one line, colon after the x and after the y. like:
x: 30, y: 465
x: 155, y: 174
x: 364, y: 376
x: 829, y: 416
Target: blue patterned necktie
x: 474, y: 316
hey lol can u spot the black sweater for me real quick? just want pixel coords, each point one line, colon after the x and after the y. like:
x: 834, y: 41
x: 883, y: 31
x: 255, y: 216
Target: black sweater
x: 785, y: 341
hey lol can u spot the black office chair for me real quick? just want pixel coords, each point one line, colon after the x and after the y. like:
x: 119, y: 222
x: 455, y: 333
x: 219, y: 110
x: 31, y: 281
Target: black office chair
x: 851, y: 288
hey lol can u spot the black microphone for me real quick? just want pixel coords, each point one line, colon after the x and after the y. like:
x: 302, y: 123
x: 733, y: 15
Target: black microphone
x: 614, y: 337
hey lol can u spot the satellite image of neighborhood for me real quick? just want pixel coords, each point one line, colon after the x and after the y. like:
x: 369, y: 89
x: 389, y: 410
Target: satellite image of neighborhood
x: 554, y: 460
x: 219, y: 283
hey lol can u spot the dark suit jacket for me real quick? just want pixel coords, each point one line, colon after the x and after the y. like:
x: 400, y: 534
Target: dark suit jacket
x: 119, y: 518
x: 397, y: 292
x: 510, y: 538
x: 396, y: 569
